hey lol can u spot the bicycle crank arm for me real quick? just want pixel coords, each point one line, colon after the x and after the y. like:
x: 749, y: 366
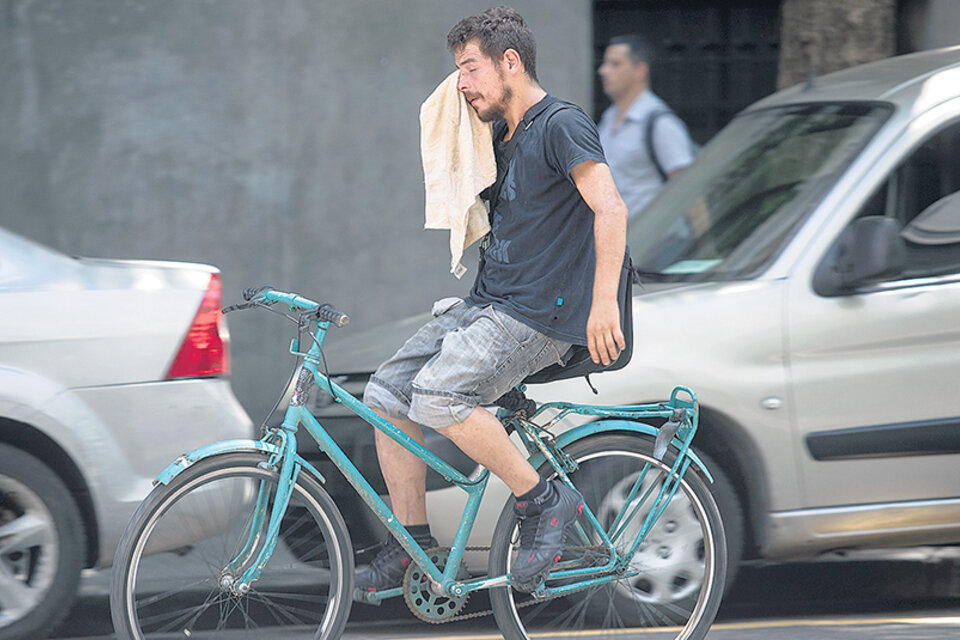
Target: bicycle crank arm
x: 376, y: 597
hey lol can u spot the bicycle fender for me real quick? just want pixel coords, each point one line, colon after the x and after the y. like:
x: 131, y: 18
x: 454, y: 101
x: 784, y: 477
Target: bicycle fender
x: 186, y: 460
x: 617, y: 426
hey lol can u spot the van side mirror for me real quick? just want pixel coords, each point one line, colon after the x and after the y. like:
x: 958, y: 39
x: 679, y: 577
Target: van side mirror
x: 868, y: 251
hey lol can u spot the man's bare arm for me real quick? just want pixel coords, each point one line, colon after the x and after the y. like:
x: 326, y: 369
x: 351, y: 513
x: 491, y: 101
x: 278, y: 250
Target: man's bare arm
x: 595, y: 184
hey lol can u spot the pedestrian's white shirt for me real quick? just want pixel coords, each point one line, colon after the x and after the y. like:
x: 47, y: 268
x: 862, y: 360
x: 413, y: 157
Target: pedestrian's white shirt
x: 625, y: 148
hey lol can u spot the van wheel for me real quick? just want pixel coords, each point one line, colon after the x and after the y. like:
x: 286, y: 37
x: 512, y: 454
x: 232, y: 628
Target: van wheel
x: 41, y: 547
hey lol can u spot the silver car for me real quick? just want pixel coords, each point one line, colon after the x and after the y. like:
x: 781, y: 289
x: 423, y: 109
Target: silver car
x: 108, y: 371
x: 803, y: 277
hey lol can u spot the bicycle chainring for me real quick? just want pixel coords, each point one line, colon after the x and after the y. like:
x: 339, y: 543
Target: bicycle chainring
x: 419, y: 594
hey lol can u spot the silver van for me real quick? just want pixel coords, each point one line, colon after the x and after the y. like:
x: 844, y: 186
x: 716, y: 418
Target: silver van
x: 803, y: 276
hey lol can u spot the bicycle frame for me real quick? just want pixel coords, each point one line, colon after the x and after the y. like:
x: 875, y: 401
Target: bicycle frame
x: 280, y: 444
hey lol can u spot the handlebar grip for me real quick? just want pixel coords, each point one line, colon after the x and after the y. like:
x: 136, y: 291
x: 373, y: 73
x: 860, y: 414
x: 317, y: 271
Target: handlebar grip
x: 327, y: 313
x: 235, y: 307
x: 253, y: 292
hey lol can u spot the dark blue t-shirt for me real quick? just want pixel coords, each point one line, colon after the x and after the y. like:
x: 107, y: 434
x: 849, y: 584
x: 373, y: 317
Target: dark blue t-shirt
x: 539, y: 265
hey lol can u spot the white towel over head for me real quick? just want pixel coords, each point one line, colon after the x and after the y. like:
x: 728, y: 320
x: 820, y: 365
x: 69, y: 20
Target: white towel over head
x: 458, y: 163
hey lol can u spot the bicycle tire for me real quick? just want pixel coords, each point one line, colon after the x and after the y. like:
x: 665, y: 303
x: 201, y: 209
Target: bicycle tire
x: 170, y: 560
x: 682, y: 563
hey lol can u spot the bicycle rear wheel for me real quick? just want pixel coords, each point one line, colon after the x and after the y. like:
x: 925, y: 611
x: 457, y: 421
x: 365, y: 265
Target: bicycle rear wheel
x: 679, y: 569
x: 171, y: 577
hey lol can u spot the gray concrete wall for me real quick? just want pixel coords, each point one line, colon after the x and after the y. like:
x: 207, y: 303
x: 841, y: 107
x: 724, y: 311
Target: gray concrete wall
x: 276, y: 139
x: 942, y: 25
x: 929, y: 24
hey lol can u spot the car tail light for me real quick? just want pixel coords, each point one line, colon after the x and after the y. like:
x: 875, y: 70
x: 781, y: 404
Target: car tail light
x: 205, y: 350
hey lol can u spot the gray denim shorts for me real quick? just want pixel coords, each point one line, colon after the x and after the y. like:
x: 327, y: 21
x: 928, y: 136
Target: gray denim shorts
x: 466, y: 356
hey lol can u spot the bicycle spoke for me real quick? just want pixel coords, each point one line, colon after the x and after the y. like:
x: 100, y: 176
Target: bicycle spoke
x: 574, y: 616
x: 185, y: 614
x: 169, y: 594
x: 284, y: 613
x: 243, y: 606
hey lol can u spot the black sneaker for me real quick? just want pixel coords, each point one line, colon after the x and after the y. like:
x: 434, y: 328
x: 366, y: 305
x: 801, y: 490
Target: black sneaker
x: 387, y: 569
x: 542, y: 528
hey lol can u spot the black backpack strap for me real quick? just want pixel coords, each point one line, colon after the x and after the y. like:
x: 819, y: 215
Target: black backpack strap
x: 524, y: 124
x: 651, y: 151
x: 507, y: 154
x: 492, y: 193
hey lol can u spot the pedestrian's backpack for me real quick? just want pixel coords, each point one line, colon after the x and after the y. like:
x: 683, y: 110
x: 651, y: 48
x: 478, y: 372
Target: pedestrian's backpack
x: 651, y: 152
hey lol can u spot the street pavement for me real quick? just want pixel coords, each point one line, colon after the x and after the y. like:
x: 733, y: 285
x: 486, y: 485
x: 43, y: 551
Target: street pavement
x: 911, y: 595
x: 937, y: 624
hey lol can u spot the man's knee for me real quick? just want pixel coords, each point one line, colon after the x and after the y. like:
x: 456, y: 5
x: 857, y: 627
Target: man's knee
x: 439, y: 410
x: 383, y: 400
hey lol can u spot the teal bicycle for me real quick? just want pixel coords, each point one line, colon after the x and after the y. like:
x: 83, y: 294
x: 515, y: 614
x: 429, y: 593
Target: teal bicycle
x: 240, y: 539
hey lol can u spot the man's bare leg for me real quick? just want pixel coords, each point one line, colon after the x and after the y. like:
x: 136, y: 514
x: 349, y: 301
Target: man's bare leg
x: 405, y: 476
x: 482, y: 437
x: 404, y: 473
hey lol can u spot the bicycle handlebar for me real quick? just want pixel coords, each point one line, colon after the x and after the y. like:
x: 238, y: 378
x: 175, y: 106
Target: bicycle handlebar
x: 326, y: 313
x: 265, y: 296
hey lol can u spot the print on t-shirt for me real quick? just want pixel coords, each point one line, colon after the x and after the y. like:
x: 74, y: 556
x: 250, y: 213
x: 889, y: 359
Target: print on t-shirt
x: 500, y: 249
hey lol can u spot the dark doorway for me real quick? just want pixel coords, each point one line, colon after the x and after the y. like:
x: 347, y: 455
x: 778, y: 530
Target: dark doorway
x: 714, y: 58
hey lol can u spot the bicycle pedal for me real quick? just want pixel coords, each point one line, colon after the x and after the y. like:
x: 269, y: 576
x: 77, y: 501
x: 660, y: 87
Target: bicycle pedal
x: 540, y: 591
x: 533, y: 587
x: 366, y: 597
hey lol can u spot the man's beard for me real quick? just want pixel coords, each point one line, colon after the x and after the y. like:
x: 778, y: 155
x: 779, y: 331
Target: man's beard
x: 497, y: 111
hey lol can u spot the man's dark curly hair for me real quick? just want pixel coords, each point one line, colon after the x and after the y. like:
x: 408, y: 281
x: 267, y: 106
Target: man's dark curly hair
x: 495, y: 31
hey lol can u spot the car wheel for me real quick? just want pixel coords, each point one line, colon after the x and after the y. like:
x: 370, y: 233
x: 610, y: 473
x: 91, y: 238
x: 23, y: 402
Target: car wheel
x: 731, y: 512
x: 41, y: 547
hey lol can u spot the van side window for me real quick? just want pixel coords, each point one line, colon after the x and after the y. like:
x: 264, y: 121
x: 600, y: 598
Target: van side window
x: 923, y: 195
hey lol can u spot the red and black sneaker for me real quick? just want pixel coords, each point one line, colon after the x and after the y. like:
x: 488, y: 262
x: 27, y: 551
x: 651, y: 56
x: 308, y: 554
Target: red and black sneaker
x: 542, y: 528
x: 387, y: 569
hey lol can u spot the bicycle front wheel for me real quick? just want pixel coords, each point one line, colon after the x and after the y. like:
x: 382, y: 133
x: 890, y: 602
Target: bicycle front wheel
x: 191, y: 538
x: 673, y: 584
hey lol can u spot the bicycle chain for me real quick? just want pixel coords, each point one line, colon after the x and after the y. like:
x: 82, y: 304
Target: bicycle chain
x: 487, y: 612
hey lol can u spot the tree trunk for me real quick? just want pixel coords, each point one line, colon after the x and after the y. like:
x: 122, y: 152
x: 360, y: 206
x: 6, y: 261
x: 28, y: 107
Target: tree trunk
x: 820, y: 36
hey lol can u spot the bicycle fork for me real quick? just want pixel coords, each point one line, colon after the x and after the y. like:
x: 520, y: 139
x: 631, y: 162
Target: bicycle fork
x: 257, y: 547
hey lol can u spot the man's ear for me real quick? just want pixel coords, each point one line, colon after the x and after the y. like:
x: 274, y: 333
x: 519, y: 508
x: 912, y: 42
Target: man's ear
x: 511, y: 61
x: 642, y: 71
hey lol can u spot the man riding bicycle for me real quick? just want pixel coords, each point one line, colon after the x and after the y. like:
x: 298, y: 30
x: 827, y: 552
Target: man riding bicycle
x: 548, y: 280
